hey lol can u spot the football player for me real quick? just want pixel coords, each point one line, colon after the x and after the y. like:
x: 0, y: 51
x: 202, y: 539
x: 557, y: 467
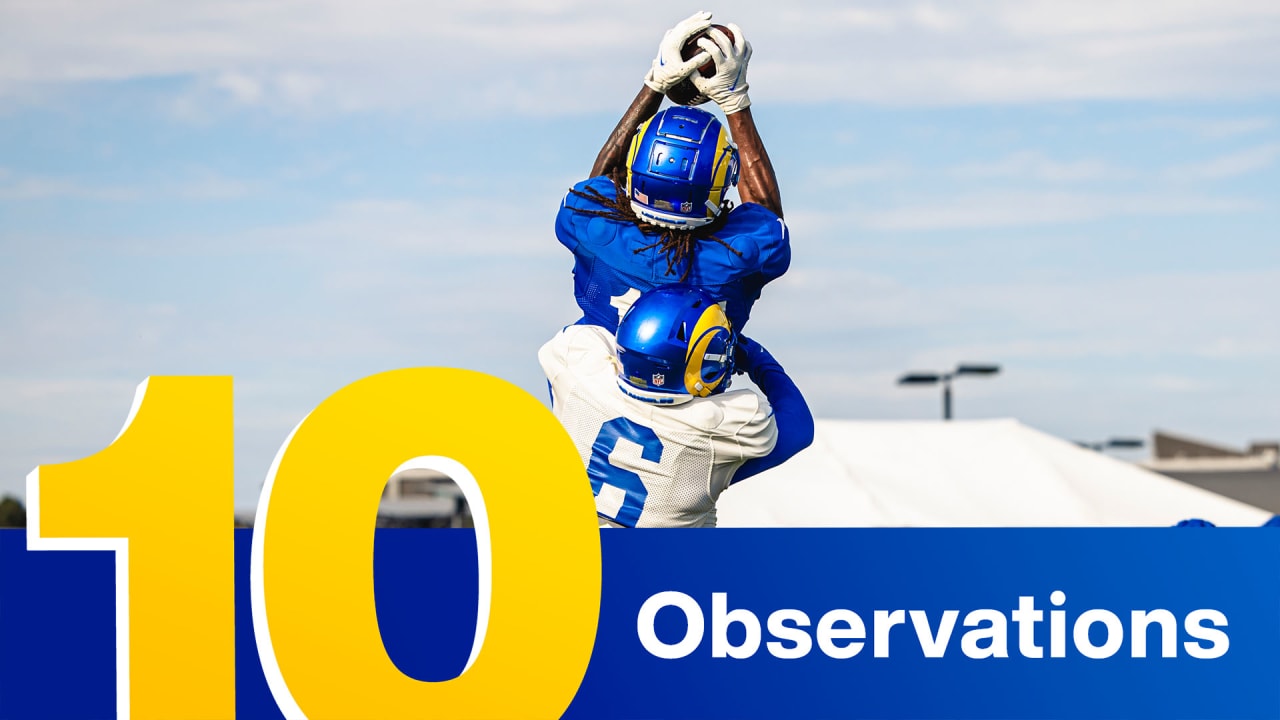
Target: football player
x: 649, y: 412
x: 656, y: 209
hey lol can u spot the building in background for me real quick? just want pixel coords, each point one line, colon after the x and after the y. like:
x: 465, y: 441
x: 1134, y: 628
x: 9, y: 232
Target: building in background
x: 1251, y: 476
x: 423, y: 498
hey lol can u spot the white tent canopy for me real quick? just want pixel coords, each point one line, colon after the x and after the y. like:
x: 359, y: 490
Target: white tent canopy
x: 975, y: 473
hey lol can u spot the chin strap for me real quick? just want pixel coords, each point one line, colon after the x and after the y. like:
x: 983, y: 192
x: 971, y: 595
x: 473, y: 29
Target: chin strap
x: 690, y: 224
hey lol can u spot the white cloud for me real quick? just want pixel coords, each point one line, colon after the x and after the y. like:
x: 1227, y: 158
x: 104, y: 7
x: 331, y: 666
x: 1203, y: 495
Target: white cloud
x: 933, y: 17
x: 576, y: 55
x: 457, y: 228
x: 243, y: 88
x: 860, y: 19
x: 1032, y: 165
x: 1080, y: 357
x: 197, y: 184
x: 1032, y: 51
x: 1170, y: 383
x: 1210, y: 315
x: 212, y: 186
x: 1233, y: 127
x: 39, y: 187
x: 1017, y: 208
x: 860, y: 174
x: 1226, y: 166
x: 1048, y: 18
x: 1212, y: 128
x: 1224, y: 316
x: 57, y: 420
x: 33, y: 395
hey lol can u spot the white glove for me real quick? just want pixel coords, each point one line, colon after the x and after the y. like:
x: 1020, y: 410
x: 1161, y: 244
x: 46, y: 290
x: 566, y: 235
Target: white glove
x: 728, y: 87
x: 668, y: 67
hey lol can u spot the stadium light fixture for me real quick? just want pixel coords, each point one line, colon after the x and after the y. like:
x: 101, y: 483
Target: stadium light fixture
x: 931, y: 378
x: 1114, y: 443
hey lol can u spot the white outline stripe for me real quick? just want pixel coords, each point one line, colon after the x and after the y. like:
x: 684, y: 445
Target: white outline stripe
x: 465, y: 481
x: 258, y: 601
x: 120, y: 546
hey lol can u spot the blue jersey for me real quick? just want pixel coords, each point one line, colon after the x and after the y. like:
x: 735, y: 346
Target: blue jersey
x: 609, y: 273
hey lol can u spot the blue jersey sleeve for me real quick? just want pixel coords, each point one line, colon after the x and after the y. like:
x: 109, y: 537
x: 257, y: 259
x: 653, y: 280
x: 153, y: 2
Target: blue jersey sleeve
x: 760, y: 229
x: 790, y: 412
x: 571, y: 225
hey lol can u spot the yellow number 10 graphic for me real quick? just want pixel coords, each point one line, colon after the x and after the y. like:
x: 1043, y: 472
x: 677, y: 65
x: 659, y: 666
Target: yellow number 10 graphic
x: 161, y: 497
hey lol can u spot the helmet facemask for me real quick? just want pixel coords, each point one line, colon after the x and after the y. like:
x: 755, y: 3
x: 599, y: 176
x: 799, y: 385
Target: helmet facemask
x: 709, y: 362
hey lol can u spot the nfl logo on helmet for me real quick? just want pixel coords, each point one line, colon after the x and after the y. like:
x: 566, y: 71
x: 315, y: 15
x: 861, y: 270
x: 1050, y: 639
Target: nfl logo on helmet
x: 658, y: 379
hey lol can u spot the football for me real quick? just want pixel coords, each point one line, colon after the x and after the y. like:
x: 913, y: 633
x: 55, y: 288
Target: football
x: 685, y: 93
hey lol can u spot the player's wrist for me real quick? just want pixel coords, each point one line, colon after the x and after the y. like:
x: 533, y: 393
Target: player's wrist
x: 735, y: 103
x: 653, y: 84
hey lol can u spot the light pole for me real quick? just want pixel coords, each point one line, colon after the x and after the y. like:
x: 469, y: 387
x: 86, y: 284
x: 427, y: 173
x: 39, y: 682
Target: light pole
x: 931, y: 378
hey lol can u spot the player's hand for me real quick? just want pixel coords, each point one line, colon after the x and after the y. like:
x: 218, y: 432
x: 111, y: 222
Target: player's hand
x: 669, y: 69
x: 744, y: 351
x: 752, y: 358
x: 728, y: 87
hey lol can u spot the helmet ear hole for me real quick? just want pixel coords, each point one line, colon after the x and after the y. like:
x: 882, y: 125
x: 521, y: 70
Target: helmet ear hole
x: 675, y: 341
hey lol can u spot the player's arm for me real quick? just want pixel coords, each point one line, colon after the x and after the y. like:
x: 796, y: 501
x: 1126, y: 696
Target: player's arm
x: 791, y: 413
x: 668, y: 70
x: 553, y: 356
x: 614, y: 152
x: 757, y: 182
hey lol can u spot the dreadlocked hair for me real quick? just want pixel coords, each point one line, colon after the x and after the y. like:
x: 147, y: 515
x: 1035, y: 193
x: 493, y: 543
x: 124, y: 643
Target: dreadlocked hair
x: 679, y: 245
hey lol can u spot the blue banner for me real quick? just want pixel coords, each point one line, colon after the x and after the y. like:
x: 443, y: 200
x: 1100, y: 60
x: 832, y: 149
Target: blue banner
x: 957, y: 623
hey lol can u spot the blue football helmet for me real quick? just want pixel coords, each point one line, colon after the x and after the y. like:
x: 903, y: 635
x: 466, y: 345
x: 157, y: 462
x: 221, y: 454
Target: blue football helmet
x: 674, y: 344
x: 680, y: 165
x: 1194, y: 522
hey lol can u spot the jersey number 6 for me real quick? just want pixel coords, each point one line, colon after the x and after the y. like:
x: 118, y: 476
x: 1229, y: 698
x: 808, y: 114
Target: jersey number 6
x: 620, y: 493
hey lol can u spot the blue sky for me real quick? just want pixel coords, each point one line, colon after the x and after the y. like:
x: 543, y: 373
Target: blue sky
x: 303, y: 194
